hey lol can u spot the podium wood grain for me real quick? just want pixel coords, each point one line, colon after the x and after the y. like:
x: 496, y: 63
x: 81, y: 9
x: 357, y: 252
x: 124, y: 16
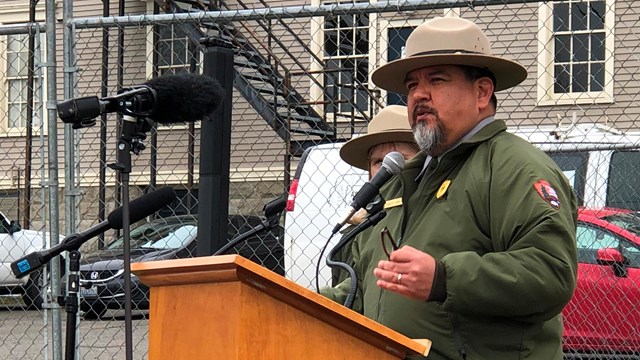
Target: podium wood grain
x: 227, y: 307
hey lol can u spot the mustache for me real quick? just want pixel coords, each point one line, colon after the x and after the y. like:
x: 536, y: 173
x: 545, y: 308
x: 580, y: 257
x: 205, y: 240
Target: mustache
x: 421, y: 109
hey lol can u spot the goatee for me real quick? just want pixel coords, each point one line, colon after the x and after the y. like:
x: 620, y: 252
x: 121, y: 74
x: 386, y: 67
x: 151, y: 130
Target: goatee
x: 429, y: 138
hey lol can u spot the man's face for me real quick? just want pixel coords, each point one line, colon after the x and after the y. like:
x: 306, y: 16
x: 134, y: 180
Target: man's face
x: 444, y: 105
x: 378, y: 152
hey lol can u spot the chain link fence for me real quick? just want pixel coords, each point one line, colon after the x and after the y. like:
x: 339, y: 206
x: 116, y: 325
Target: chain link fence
x: 301, y: 88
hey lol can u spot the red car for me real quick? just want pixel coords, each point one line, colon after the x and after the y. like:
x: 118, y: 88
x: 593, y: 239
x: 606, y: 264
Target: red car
x: 603, y: 317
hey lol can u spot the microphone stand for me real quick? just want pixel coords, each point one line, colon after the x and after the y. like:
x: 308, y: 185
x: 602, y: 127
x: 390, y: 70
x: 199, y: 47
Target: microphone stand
x: 272, y: 211
x: 132, y: 134
x: 70, y: 303
x: 371, y: 220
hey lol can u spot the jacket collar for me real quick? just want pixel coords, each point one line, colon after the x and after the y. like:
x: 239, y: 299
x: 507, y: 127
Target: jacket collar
x: 483, y: 131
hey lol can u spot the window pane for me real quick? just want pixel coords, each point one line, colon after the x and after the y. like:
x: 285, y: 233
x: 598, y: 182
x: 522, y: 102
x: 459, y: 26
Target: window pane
x: 597, y: 47
x: 362, y: 70
x: 586, y: 238
x: 330, y: 22
x: 561, y: 17
x: 581, y: 47
x: 164, y: 31
x: 13, y: 64
x: 562, y: 79
x: 623, y: 190
x: 346, y: 21
x: 362, y: 19
x: 346, y: 93
x: 397, y: 40
x: 597, y: 77
x: 180, y: 52
x: 563, y: 49
x: 632, y: 253
x: 578, y: 16
x: 580, y: 77
x: 346, y: 43
x: 596, y: 15
x: 331, y: 43
x: 15, y: 119
x: 362, y: 42
x: 17, y: 91
x: 18, y: 43
x: 164, y: 50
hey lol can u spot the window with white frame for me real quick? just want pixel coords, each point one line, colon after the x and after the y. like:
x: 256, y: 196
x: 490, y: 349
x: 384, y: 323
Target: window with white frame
x: 346, y: 59
x: 576, y: 52
x: 15, y: 108
x: 18, y: 107
x: 344, y: 45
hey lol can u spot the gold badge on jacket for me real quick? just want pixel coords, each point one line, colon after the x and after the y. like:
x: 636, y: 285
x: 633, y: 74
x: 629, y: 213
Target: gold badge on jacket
x: 393, y: 203
x: 442, y: 192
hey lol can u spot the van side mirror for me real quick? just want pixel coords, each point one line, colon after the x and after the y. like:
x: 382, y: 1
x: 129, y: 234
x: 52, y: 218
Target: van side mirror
x: 615, y: 259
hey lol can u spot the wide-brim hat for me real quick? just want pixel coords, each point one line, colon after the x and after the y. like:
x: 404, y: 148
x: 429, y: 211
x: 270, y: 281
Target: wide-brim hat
x: 391, y: 124
x: 447, y: 41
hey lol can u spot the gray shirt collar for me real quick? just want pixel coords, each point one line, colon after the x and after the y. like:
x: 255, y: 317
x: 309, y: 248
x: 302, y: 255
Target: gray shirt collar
x: 466, y: 137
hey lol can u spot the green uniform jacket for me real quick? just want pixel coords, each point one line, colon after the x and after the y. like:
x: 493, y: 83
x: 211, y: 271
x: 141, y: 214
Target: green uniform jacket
x: 509, y: 253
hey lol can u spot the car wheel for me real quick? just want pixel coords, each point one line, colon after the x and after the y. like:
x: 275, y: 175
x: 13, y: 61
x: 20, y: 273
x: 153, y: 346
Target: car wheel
x: 94, y: 312
x: 32, y: 296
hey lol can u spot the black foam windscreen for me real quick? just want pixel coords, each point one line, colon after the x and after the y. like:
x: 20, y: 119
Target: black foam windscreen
x: 184, y: 97
x: 143, y: 206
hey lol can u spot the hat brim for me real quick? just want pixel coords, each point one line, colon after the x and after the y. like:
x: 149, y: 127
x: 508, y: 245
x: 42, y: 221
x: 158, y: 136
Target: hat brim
x: 355, y: 152
x: 392, y: 76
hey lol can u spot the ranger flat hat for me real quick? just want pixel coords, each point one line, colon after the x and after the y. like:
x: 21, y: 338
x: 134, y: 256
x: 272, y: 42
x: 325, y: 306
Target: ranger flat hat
x: 447, y: 41
x: 391, y: 124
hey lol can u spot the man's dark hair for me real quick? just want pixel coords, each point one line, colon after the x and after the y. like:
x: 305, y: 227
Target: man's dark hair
x: 473, y: 73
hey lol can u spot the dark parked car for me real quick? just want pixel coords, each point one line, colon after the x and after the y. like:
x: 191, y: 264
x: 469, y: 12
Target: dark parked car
x: 102, y: 281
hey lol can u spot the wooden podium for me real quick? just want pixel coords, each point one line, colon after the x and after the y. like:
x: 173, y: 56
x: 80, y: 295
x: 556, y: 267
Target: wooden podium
x: 227, y: 307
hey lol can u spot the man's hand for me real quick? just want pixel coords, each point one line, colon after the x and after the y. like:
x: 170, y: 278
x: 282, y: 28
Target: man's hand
x: 408, y: 272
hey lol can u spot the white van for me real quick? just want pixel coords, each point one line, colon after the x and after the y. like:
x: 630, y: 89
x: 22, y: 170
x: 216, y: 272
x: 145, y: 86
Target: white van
x: 602, y: 164
x: 321, y: 191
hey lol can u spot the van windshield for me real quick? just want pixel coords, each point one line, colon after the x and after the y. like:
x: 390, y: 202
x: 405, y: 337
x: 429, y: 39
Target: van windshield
x: 623, y: 190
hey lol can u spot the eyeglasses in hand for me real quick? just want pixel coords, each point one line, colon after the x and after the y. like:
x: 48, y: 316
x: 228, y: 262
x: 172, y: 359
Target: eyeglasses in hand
x: 385, y: 237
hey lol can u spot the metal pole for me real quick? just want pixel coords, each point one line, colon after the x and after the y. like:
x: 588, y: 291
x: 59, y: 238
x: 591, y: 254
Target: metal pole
x: 52, y: 138
x: 28, y: 146
x: 102, y: 196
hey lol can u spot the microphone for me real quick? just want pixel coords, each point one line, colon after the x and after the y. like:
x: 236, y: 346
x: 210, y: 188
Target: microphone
x: 275, y: 207
x: 392, y: 164
x: 139, y: 208
x: 166, y: 99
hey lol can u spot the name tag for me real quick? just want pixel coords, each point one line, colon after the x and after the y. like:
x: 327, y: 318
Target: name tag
x: 393, y: 203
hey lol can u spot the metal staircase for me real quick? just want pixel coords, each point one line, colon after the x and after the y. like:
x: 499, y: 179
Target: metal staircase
x: 260, y: 76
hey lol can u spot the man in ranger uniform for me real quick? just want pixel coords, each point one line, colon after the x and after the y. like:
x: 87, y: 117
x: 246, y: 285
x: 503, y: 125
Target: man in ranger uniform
x: 482, y: 254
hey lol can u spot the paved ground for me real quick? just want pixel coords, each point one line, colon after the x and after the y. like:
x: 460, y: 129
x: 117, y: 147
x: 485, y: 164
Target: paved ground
x: 26, y: 334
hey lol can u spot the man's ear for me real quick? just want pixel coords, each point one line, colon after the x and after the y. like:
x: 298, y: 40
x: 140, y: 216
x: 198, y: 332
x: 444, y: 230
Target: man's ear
x: 485, y: 90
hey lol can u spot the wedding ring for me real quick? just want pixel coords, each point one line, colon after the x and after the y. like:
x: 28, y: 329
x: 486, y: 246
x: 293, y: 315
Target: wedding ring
x: 399, y: 278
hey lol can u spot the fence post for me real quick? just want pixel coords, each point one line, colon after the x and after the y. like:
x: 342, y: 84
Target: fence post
x: 215, y: 153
